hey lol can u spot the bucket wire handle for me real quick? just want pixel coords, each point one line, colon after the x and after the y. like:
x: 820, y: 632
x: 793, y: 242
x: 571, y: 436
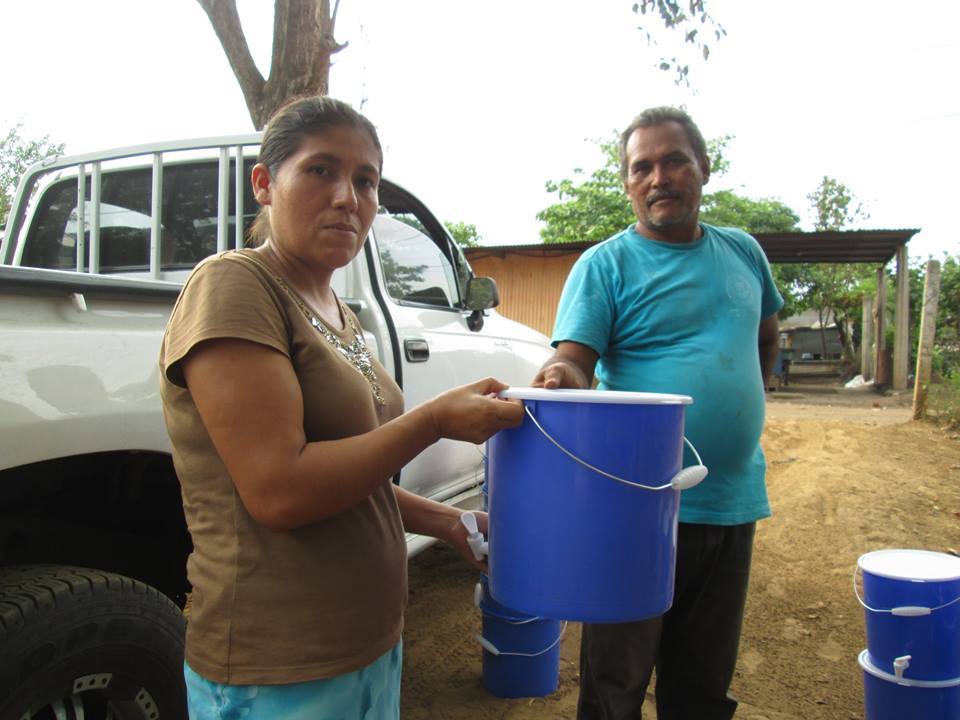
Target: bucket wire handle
x: 686, y: 478
x: 490, y: 647
x: 478, y: 598
x: 903, y: 610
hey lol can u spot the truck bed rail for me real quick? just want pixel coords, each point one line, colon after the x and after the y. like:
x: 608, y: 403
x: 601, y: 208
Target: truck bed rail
x: 228, y: 147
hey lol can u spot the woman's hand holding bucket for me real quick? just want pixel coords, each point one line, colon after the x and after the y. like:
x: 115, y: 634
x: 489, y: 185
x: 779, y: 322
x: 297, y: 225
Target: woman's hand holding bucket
x: 474, y: 412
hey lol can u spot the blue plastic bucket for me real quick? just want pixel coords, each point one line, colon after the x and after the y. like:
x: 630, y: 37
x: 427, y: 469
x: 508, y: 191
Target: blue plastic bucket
x: 521, y: 653
x: 569, y: 538
x: 887, y: 697
x: 911, y: 600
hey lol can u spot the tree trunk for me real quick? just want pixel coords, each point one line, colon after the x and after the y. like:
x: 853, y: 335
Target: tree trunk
x: 866, y: 339
x: 822, y: 316
x: 844, y: 331
x: 303, y: 43
x: 928, y: 331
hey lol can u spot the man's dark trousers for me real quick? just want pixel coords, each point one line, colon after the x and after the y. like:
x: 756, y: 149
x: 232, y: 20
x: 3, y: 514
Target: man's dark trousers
x: 693, y: 647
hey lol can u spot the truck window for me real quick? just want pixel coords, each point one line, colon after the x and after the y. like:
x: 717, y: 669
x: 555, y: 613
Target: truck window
x: 188, y: 219
x: 414, y: 267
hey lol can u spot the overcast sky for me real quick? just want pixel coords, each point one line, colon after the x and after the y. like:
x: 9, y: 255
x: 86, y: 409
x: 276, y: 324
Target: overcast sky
x: 479, y: 104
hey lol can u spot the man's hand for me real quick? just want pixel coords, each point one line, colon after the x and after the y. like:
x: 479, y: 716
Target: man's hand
x: 768, y: 341
x: 570, y: 367
x: 560, y: 374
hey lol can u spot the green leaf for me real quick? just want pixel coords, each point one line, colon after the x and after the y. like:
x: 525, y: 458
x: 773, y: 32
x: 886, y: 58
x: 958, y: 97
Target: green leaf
x: 673, y: 17
x: 16, y: 155
x: 464, y: 234
x: 595, y: 208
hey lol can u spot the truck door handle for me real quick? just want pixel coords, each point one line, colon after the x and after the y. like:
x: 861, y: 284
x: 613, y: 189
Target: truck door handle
x: 416, y: 350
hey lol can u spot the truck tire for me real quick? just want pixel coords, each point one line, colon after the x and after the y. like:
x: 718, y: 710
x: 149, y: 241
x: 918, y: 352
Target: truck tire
x: 81, y: 643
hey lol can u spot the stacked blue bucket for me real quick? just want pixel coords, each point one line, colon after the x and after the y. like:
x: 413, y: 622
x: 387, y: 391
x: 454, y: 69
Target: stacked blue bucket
x: 521, y: 652
x: 911, y: 667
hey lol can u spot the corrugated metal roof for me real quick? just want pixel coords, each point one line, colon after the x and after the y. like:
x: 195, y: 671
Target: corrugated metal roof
x: 876, y: 247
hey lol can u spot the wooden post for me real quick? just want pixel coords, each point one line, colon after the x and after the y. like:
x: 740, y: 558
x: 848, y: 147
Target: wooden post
x: 880, y: 325
x: 866, y: 339
x: 901, y: 327
x: 928, y: 329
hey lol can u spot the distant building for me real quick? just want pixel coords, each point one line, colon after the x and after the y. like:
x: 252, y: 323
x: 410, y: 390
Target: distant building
x: 802, y: 334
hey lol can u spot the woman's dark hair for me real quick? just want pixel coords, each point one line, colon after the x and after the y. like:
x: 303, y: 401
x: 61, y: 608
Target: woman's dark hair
x: 289, y: 126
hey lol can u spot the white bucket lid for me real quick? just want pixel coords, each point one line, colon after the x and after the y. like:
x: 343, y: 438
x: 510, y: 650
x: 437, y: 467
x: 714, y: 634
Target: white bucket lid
x: 904, y: 564
x: 868, y: 667
x: 611, y: 397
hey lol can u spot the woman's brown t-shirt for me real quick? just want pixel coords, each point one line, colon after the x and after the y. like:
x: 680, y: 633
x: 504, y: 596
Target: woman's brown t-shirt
x: 268, y: 606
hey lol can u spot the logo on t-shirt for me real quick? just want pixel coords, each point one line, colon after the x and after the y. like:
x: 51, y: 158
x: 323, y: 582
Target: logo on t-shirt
x: 740, y: 291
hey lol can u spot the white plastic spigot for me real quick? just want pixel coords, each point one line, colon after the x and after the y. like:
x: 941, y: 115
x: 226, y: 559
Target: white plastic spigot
x: 478, y: 545
x: 900, y: 664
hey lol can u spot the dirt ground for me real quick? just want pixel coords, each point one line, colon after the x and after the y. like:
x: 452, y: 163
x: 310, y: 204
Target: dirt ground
x: 849, y: 473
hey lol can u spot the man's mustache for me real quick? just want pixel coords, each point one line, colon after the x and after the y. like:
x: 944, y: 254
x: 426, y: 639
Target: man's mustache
x: 662, y: 195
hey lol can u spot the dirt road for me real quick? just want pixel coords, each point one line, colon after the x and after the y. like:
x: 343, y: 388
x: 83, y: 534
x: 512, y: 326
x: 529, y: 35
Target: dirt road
x: 848, y: 473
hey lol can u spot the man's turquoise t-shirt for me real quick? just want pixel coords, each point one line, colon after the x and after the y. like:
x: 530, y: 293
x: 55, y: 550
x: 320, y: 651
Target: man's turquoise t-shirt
x: 683, y: 319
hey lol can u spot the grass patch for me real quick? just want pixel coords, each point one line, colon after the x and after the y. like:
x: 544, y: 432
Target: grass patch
x: 943, y: 402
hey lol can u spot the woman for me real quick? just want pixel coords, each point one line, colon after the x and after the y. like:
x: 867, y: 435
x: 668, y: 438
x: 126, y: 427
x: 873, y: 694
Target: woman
x: 286, y: 433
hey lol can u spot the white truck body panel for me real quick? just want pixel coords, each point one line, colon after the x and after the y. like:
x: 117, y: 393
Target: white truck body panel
x: 94, y: 253
x: 79, y: 367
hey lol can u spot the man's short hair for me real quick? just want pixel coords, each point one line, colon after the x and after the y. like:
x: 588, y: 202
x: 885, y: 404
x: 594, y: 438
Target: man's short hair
x: 658, y: 116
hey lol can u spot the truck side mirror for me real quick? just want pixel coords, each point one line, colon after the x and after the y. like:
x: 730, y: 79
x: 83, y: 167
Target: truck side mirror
x: 482, y: 294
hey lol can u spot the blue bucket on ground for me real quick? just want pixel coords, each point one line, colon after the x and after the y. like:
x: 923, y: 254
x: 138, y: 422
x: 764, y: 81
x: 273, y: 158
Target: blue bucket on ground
x: 583, y: 504
x: 911, y: 600
x: 521, y: 653
x: 887, y: 697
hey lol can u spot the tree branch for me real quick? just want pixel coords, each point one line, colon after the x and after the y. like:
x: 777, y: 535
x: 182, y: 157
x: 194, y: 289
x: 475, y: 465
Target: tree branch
x: 328, y: 23
x: 226, y: 24
x: 303, y: 43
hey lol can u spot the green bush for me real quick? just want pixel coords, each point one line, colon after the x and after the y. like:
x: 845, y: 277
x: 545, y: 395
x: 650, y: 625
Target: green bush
x: 943, y: 401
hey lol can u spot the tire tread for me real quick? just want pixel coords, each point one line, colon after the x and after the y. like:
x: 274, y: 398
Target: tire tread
x: 40, y: 603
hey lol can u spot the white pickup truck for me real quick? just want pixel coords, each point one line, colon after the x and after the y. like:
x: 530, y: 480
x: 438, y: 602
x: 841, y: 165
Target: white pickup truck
x: 93, y: 542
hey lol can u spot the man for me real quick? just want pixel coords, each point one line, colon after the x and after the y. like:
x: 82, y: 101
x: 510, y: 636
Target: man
x: 676, y: 306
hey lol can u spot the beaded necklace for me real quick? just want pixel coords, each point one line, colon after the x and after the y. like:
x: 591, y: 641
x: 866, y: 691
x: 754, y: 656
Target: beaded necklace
x: 356, y: 353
